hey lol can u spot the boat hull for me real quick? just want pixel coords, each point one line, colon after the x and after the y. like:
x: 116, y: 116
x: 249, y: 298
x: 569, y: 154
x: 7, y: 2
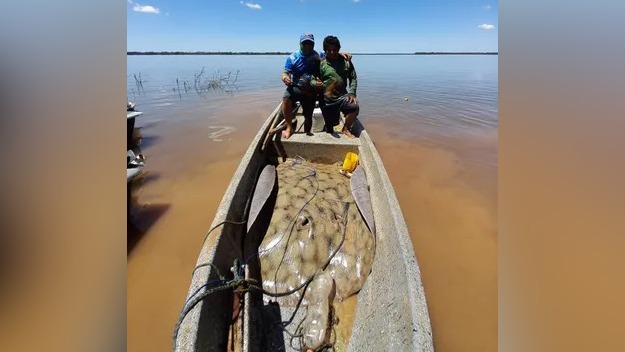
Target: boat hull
x: 391, y: 311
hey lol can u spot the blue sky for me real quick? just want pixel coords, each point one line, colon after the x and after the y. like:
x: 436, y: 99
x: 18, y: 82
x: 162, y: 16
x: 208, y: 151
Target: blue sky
x: 370, y: 26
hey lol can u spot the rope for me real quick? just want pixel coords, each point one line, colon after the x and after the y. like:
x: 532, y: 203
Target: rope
x: 300, y: 335
x: 245, y: 215
x: 246, y: 262
x: 201, y: 287
x: 208, y: 264
x: 286, y: 293
x: 293, y: 225
x: 193, y: 303
x: 248, y: 284
x: 203, y: 242
x: 314, y: 173
x: 342, y: 239
x: 292, y: 221
x: 222, y: 223
x: 299, y: 302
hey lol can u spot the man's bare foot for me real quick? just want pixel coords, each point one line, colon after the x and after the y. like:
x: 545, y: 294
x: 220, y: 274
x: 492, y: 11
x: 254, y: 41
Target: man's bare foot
x: 347, y: 133
x: 286, y: 134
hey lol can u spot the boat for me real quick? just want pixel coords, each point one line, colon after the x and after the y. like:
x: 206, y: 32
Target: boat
x: 133, y: 162
x: 228, y: 306
x: 131, y: 116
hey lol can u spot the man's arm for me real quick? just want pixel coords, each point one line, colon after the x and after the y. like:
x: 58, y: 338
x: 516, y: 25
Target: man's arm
x: 353, y: 84
x: 317, y: 80
x: 353, y: 80
x: 286, y: 77
x: 346, y: 56
x: 286, y: 73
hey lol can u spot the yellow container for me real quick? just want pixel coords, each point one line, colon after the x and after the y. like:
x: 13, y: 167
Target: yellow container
x: 350, y: 162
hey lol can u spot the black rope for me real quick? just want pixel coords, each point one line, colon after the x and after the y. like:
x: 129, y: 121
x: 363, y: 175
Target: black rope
x: 247, y: 284
x: 342, y: 239
x: 200, y: 288
x: 212, y: 266
x: 222, y: 223
x: 193, y: 303
x: 282, y: 294
x: 299, y: 303
x: 298, y: 334
x: 252, y: 284
x: 314, y: 174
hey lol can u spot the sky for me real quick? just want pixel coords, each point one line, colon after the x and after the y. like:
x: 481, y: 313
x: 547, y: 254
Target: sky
x: 362, y: 26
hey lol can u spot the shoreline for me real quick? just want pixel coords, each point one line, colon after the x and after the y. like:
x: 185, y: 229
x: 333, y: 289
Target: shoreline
x: 163, y: 53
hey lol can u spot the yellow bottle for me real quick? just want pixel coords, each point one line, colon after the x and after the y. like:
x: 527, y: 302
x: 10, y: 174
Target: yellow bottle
x: 350, y: 162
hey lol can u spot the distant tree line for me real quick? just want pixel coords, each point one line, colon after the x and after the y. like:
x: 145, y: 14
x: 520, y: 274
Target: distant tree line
x: 456, y: 53
x: 288, y: 53
x: 206, y: 53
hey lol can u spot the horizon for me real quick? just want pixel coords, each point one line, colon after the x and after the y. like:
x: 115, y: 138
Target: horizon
x: 363, y: 26
x: 201, y: 52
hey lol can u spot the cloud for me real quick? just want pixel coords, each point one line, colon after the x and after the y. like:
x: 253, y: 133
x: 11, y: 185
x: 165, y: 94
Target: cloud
x: 130, y: 1
x: 356, y: 0
x: 146, y: 9
x: 252, y: 5
x: 487, y: 7
x: 486, y: 27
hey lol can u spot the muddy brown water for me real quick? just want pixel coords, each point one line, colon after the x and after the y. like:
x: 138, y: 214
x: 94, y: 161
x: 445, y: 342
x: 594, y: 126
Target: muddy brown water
x: 450, y: 212
x: 446, y: 185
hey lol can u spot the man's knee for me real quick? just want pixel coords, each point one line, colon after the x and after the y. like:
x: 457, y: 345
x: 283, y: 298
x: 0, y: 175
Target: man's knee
x: 287, y: 102
x: 331, y: 117
x: 289, y: 94
x: 353, y: 108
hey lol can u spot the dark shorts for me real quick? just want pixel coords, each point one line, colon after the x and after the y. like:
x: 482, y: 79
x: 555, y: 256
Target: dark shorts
x: 331, y: 111
x: 305, y: 97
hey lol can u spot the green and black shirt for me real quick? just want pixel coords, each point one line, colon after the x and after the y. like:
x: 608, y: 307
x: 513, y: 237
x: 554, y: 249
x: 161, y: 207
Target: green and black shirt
x: 334, y: 78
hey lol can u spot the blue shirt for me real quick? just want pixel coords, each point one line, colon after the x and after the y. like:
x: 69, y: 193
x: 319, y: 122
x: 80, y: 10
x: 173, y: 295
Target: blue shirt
x: 302, y: 67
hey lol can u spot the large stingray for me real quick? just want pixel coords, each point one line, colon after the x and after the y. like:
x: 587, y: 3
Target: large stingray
x: 314, y: 210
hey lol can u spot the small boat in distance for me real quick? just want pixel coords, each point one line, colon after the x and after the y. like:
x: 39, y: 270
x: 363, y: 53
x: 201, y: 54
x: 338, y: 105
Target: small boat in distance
x: 229, y: 306
x: 131, y: 116
x: 134, y: 162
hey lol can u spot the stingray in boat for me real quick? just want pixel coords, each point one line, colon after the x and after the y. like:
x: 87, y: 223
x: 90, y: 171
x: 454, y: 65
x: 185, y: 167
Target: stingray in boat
x: 304, y: 256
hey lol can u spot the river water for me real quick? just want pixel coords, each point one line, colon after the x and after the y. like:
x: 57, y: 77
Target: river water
x: 433, y: 119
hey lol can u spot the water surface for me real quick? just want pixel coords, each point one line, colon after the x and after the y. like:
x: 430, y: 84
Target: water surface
x: 433, y: 120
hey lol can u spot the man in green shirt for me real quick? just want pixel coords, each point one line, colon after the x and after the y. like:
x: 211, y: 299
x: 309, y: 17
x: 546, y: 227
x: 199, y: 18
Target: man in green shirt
x: 338, y: 97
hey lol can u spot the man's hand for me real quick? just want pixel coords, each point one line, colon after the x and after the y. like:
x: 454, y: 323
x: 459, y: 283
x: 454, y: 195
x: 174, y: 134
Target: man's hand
x: 347, y: 56
x: 286, y: 134
x: 317, y: 84
x: 287, y: 80
x: 351, y: 99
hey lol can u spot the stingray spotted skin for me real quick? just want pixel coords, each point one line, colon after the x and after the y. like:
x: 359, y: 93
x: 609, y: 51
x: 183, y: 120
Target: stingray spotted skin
x: 296, y: 245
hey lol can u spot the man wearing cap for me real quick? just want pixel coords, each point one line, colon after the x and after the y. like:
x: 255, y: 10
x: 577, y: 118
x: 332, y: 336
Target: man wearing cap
x: 299, y: 68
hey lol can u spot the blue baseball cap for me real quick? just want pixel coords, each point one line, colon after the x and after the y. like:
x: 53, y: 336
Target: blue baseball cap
x: 307, y: 36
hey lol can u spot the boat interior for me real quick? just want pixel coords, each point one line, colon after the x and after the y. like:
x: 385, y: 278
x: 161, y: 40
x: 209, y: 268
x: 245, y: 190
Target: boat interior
x: 291, y: 247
